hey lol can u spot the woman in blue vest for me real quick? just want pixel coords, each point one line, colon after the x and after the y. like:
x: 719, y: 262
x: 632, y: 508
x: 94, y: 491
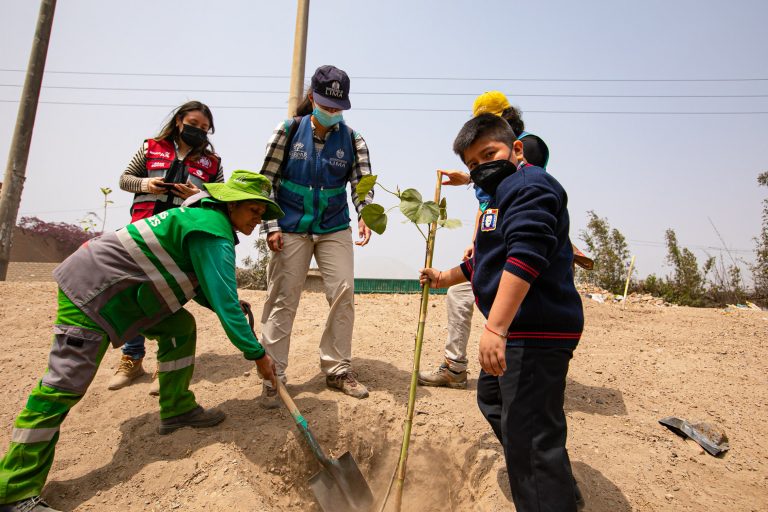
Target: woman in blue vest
x: 310, y: 160
x: 166, y: 170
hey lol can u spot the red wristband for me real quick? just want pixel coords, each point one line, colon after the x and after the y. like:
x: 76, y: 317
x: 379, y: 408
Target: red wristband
x: 502, y: 336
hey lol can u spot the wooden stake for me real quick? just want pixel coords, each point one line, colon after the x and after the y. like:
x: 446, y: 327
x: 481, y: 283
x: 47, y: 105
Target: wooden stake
x: 626, y: 285
x: 398, y: 478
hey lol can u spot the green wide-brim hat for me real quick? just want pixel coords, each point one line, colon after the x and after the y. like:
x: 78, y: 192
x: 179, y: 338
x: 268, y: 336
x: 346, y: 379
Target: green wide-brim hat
x: 246, y: 186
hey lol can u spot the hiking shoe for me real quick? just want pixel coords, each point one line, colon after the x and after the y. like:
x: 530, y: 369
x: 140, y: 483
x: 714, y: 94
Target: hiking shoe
x: 348, y: 383
x: 196, y: 418
x: 127, y: 371
x: 269, y: 398
x: 33, y: 504
x: 443, y: 376
x: 154, y: 388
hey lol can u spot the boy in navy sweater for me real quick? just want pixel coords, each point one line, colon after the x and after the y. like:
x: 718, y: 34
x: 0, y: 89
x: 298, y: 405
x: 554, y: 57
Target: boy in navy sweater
x: 522, y: 277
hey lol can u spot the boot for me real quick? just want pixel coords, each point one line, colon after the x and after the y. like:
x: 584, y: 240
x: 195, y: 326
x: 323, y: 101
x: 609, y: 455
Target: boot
x: 154, y: 388
x: 127, y: 371
x: 443, y: 376
x: 348, y: 383
x: 196, y: 418
x: 33, y: 504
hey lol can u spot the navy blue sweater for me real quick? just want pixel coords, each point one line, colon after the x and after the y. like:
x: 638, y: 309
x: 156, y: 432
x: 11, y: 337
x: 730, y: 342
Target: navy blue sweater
x: 525, y: 231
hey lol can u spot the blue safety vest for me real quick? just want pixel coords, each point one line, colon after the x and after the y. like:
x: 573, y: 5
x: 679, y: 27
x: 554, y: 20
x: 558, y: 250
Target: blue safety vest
x: 313, y: 186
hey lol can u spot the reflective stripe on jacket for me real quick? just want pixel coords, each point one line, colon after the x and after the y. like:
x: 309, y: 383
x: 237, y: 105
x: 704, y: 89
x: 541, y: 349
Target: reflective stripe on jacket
x: 129, y: 280
x: 313, y: 185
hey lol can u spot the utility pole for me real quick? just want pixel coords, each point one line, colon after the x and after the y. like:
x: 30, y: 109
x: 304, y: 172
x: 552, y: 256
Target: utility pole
x: 299, y: 57
x: 15, y: 172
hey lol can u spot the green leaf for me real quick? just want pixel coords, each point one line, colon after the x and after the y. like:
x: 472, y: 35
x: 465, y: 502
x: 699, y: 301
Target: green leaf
x: 410, y: 194
x: 443, y: 209
x: 365, y: 185
x: 449, y: 223
x: 375, y: 218
x: 417, y: 211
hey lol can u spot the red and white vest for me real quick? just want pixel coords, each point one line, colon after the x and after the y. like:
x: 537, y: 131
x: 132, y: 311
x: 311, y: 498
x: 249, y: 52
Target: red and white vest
x: 160, y: 156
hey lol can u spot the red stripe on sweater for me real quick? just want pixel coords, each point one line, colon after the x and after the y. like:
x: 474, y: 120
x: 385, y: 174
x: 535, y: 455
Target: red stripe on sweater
x: 523, y: 266
x: 558, y: 335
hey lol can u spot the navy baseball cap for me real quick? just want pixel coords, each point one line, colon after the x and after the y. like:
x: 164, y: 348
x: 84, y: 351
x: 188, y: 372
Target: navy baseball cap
x: 330, y: 88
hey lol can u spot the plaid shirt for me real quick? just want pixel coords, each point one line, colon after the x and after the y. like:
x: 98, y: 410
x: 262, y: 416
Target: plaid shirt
x: 273, y: 162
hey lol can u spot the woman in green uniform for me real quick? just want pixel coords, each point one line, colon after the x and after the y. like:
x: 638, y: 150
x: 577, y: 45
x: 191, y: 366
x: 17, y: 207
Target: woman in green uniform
x: 136, y: 281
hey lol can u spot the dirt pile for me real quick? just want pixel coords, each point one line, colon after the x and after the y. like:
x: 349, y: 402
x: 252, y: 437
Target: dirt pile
x: 633, y: 367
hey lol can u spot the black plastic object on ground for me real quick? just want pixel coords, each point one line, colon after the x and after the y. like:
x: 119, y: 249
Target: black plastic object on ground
x: 709, y: 437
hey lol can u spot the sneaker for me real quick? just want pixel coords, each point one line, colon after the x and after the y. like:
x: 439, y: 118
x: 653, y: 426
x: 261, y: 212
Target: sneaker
x: 127, y: 371
x: 348, y: 383
x: 443, y: 376
x: 196, y: 418
x: 33, y: 504
x: 154, y: 388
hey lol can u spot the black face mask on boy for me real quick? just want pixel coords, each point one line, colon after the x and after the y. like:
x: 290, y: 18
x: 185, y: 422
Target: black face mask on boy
x: 194, y: 136
x: 487, y: 176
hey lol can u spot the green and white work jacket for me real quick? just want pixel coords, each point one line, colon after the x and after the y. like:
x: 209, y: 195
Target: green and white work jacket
x: 131, y: 279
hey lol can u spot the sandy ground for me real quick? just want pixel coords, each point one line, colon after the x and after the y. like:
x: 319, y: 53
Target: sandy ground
x: 632, y: 367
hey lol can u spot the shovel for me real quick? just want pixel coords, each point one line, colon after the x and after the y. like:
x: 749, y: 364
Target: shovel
x: 338, y: 486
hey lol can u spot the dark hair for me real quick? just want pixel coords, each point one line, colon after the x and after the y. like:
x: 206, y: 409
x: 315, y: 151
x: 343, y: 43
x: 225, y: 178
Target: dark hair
x: 305, y: 106
x: 485, y: 125
x: 171, y: 132
x: 513, y: 116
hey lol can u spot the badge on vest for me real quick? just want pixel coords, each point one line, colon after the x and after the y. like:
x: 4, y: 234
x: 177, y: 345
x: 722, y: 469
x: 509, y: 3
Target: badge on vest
x: 297, y: 152
x: 488, y: 222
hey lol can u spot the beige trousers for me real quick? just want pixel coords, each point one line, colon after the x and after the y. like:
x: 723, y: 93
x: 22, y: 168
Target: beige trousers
x: 286, y: 274
x: 459, y: 304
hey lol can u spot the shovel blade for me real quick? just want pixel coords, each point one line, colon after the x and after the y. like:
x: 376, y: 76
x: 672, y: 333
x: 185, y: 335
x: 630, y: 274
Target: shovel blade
x: 341, y: 487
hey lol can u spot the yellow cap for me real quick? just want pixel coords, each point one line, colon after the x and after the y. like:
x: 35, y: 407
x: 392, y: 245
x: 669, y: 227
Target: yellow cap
x: 491, y: 102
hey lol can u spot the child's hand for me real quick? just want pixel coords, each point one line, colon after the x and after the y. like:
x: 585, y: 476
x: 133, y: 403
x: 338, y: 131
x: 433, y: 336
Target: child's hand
x: 492, y: 353
x: 454, y: 177
x: 468, y: 252
x: 432, y: 275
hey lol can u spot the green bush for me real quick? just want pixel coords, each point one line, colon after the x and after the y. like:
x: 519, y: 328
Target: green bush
x: 760, y: 268
x: 254, y: 275
x: 608, y: 249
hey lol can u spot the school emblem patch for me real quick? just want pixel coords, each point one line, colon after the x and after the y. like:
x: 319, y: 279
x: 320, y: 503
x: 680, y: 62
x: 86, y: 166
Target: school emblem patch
x: 488, y: 222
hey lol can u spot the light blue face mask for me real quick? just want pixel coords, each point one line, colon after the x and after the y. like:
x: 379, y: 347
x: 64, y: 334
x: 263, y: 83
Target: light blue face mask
x: 326, y: 118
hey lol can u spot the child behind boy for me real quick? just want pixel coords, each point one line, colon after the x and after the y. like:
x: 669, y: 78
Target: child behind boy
x: 522, y: 277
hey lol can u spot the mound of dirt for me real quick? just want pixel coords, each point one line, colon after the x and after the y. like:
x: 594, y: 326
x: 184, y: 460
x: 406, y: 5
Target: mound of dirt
x: 633, y: 366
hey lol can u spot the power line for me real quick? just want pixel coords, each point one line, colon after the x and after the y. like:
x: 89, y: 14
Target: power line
x: 258, y: 107
x: 648, y: 243
x: 94, y: 209
x: 442, y: 78
x: 395, y: 93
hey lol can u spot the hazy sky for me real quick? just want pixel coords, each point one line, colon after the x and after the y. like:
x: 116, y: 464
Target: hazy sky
x: 656, y: 113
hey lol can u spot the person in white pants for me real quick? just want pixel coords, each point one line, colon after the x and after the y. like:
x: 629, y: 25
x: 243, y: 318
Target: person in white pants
x: 452, y: 373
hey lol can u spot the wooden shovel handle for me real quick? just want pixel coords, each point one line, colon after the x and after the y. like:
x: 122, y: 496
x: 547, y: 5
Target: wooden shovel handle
x: 302, y: 425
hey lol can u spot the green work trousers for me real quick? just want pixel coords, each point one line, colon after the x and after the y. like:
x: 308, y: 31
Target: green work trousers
x: 78, y: 348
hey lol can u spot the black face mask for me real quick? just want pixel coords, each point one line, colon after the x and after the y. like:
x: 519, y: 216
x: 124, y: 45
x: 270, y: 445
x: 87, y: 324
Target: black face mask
x: 487, y: 176
x: 194, y: 136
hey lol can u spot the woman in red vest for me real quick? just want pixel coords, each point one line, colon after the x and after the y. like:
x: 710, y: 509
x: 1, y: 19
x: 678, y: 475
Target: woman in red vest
x: 165, y: 171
